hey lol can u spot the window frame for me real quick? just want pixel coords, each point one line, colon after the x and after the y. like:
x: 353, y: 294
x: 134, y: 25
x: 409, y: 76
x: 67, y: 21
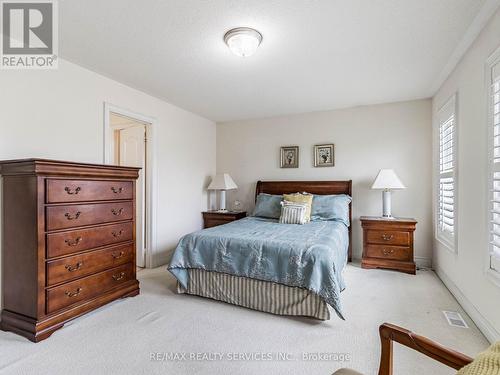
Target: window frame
x: 450, y: 243
x: 491, y: 273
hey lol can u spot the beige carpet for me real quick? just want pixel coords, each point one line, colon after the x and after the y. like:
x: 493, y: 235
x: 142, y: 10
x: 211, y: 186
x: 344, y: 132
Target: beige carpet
x: 119, y: 338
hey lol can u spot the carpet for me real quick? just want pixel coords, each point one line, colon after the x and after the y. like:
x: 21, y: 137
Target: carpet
x: 161, y: 332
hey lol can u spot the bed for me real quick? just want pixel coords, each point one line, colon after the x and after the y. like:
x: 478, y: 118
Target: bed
x: 284, y: 269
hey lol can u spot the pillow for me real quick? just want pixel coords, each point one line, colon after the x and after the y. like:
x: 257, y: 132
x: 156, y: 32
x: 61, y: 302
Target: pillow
x: 268, y: 206
x: 331, y: 208
x: 293, y: 213
x: 301, y: 198
x: 486, y: 363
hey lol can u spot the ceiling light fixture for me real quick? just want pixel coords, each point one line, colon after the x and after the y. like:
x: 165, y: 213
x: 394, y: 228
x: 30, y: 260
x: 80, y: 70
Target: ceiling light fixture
x: 243, y: 41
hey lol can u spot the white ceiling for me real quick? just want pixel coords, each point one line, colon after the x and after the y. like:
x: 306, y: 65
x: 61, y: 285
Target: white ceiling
x: 315, y: 55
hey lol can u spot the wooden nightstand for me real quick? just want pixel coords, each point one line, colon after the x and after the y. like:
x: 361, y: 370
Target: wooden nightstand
x: 214, y: 218
x: 388, y: 243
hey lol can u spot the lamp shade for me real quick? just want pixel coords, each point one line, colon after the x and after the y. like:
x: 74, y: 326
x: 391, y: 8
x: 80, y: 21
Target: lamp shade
x: 387, y: 180
x: 222, y: 181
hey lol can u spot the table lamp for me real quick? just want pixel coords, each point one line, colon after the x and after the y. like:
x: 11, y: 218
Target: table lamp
x: 222, y: 182
x: 386, y: 181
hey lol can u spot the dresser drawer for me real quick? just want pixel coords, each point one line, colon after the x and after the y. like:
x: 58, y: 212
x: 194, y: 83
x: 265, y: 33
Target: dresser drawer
x: 388, y: 237
x: 59, y: 244
x: 61, y: 217
x: 87, y: 287
x: 86, y: 190
x: 76, y: 266
x: 389, y: 252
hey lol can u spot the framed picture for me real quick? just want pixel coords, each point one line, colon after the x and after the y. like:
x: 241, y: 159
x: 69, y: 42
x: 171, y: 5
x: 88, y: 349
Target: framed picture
x: 324, y: 155
x: 290, y: 157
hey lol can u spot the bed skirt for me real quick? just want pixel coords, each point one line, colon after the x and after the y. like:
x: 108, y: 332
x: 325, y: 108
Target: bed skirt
x: 255, y: 294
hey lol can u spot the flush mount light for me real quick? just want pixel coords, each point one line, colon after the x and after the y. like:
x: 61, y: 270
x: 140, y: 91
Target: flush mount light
x: 243, y: 41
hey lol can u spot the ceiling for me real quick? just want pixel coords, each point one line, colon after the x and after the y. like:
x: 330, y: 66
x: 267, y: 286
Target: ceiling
x: 315, y: 55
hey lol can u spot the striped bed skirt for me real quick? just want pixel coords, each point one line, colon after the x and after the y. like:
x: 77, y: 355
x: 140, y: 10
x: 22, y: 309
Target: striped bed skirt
x: 255, y: 294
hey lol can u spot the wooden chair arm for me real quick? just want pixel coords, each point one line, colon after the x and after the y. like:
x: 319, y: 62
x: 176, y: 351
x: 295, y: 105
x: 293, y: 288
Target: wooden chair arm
x: 391, y: 332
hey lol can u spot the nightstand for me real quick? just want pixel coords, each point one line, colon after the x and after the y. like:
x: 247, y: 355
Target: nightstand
x: 388, y: 243
x: 214, y: 218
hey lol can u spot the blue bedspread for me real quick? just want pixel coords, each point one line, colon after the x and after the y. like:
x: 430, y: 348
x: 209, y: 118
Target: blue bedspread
x: 310, y: 256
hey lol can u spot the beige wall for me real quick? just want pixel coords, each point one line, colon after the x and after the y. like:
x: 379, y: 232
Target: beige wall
x: 366, y: 139
x: 59, y: 114
x: 464, y: 272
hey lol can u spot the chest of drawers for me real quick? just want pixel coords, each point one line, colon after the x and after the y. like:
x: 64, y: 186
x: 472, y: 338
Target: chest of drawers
x: 68, y: 244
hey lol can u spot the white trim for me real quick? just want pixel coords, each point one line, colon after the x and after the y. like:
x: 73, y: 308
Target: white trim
x: 491, y: 334
x: 492, y: 275
x: 151, y: 180
x: 480, y: 21
x: 423, y: 262
x: 493, y: 59
x: 450, y: 245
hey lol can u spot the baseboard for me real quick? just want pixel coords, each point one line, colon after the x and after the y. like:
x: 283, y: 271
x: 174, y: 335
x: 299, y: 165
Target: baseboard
x: 161, y: 259
x: 423, y: 262
x: 479, y: 320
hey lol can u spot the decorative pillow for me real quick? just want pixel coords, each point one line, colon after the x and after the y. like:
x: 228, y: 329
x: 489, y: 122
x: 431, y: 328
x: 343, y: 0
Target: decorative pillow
x: 301, y: 198
x: 268, y: 206
x: 293, y: 213
x: 486, y: 363
x: 331, y: 207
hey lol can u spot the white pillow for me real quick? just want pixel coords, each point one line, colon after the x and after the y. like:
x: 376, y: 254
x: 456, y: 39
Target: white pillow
x: 293, y: 213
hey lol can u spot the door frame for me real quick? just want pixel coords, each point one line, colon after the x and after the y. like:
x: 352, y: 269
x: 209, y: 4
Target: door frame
x: 150, y: 230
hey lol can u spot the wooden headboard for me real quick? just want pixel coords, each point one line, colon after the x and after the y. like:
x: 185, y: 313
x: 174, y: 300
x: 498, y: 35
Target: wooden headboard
x: 313, y: 187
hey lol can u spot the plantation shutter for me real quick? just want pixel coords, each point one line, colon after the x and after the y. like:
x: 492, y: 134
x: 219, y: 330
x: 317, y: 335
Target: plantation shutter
x: 494, y: 116
x: 446, y: 189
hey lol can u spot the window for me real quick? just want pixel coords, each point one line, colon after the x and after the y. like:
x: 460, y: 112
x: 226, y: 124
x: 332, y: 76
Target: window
x: 494, y: 163
x: 446, y: 217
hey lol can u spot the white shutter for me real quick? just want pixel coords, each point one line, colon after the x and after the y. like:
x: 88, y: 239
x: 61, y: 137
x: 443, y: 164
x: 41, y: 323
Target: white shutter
x: 446, y: 172
x: 494, y: 118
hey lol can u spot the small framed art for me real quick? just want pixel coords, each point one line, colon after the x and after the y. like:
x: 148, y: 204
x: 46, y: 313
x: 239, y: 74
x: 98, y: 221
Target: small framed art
x: 289, y: 157
x: 324, y: 155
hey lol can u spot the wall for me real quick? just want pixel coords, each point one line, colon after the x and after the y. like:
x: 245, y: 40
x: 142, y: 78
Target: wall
x: 366, y: 139
x: 464, y: 272
x: 59, y: 115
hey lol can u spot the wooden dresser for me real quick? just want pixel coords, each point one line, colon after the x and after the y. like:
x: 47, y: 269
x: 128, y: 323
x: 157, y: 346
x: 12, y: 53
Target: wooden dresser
x: 68, y: 242
x: 388, y: 243
x: 215, y: 218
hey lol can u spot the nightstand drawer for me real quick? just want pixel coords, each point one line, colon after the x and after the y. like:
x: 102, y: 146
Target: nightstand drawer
x: 209, y: 223
x: 388, y: 252
x: 215, y: 218
x: 388, y: 237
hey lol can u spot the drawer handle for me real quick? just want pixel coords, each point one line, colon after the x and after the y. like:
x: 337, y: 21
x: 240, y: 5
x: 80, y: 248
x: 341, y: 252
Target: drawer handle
x: 117, y: 212
x: 71, y: 294
x: 119, y: 276
x: 386, y: 237
x: 76, y: 267
x: 76, y: 216
x: 388, y: 252
x: 117, y: 234
x: 119, y: 255
x: 116, y: 191
x: 73, y: 242
x: 69, y: 191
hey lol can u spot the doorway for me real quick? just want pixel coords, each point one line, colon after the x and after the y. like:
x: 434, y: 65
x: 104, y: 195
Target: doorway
x: 127, y: 142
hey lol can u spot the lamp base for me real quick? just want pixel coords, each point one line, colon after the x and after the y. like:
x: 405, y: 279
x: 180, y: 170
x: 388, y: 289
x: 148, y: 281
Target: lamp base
x: 386, y: 204
x: 222, y: 203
